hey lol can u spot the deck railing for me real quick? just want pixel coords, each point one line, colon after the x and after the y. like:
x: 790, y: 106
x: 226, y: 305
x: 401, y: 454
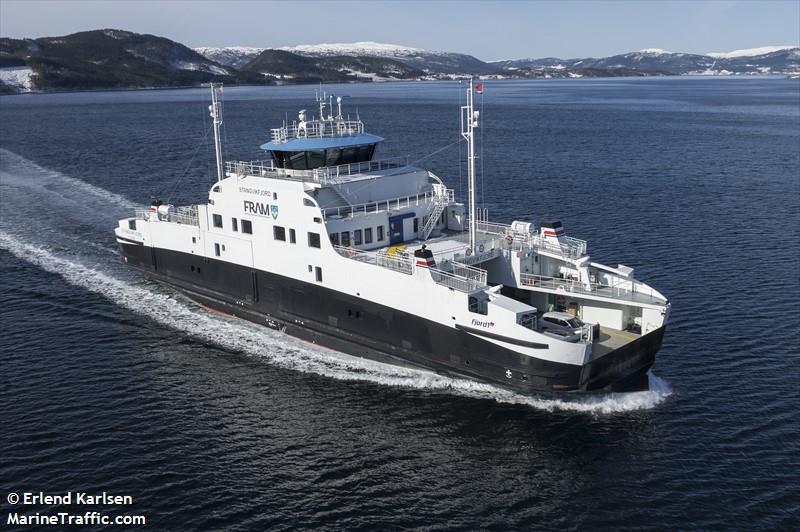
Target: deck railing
x: 326, y: 175
x: 383, y: 205
x: 574, y: 248
x: 180, y: 215
x: 633, y: 292
x: 314, y: 129
x: 463, y: 278
x: 398, y: 262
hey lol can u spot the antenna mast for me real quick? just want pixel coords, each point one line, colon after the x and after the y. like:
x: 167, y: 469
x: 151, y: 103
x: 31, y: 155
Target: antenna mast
x: 469, y: 121
x: 215, y: 110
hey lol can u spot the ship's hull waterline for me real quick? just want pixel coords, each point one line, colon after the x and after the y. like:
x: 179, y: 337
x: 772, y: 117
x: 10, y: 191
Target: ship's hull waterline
x: 362, y: 328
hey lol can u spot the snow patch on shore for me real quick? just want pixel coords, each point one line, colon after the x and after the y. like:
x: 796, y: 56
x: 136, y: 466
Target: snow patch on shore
x: 20, y: 77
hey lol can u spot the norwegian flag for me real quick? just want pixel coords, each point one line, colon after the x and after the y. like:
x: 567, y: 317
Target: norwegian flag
x: 479, y: 88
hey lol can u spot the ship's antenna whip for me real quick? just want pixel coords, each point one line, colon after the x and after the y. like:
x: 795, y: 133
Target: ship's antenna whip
x: 215, y: 110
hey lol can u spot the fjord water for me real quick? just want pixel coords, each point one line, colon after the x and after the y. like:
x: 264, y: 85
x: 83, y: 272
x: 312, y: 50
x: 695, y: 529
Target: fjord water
x: 112, y: 383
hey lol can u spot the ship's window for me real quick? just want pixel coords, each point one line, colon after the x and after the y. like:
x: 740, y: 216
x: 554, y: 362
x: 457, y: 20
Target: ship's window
x: 279, y: 233
x: 194, y: 240
x: 318, y: 272
x: 368, y: 235
x: 308, y: 203
x: 216, y: 189
x: 132, y: 225
x: 334, y: 238
x: 345, y: 238
x: 357, y: 237
x: 292, y: 236
x: 380, y: 233
x: 216, y: 249
x: 317, y: 219
x: 247, y: 227
x: 478, y: 307
x: 275, y: 195
x: 217, y: 220
x: 310, y: 268
x: 234, y: 224
x: 416, y: 225
x: 223, y: 247
x: 297, y: 160
x: 192, y: 268
x: 364, y: 153
x: 332, y: 157
x: 313, y: 240
x: 349, y: 155
x: 315, y: 159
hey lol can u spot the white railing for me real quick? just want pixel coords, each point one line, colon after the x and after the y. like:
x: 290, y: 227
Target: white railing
x: 326, y: 175
x: 463, y: 278
x: 382, y: 205
x: 395, y: 261
x: 633, y: 294
x: 574, y: 248
x: 442, y: 196
x: 314, y: 129
x: 180, y: 215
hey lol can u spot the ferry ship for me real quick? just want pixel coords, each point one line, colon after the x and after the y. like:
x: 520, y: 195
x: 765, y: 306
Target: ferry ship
x: 376, y: 258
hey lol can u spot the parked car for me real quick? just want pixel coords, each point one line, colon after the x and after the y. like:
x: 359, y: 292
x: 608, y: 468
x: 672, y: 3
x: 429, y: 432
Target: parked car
x: 565, y: 325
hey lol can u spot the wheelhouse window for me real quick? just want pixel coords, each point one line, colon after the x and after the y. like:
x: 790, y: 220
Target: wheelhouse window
x: 313, y: 240
x: 132, y: 224
x: 217, y: 218
x: 357, y: 237
x: 380, y: 233
x: 368, y: 235
x: 345, y: 238
x: 279, y: 233
x: 247, y: 227
x: 308, y: 160
x: 334, y: 238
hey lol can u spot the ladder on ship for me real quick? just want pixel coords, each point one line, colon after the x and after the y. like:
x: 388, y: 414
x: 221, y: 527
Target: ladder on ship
x: 439, y: 203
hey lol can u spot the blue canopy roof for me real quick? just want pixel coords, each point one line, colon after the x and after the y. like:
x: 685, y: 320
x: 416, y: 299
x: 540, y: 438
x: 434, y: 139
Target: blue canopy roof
x: 322, y: 143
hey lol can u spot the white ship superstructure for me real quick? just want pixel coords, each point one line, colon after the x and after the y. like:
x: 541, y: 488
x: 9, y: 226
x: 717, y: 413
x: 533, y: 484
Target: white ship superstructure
x: 375, y: 257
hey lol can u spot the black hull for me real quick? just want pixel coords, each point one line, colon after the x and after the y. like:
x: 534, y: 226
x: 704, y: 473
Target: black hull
x: 352, y: 325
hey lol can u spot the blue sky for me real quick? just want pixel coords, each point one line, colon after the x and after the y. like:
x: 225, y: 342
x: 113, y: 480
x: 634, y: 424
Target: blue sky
x: 488, y: 30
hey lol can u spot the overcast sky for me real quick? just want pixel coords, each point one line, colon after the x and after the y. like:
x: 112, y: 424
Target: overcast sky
x: 487, y: 30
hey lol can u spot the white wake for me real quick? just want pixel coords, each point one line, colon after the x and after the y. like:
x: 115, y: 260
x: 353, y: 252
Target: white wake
x: 173, y: 311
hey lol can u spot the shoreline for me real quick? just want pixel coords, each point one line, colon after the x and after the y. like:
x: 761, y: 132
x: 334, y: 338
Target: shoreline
x: 577, y: 78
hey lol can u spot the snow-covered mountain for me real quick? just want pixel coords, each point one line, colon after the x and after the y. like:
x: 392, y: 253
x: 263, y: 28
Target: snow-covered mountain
x: 234, y: 56
x: 429, y: 61
x: 750, y: 52
x: 770, y: 59
x: 364, y: 48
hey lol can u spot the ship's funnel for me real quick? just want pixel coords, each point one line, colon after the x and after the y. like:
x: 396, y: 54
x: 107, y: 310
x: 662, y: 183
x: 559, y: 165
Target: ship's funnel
x: 552, y: 233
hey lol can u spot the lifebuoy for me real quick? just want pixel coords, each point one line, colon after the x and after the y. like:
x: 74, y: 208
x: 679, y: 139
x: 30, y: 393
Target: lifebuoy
x: 509, y: 239
x: 480, y: 248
